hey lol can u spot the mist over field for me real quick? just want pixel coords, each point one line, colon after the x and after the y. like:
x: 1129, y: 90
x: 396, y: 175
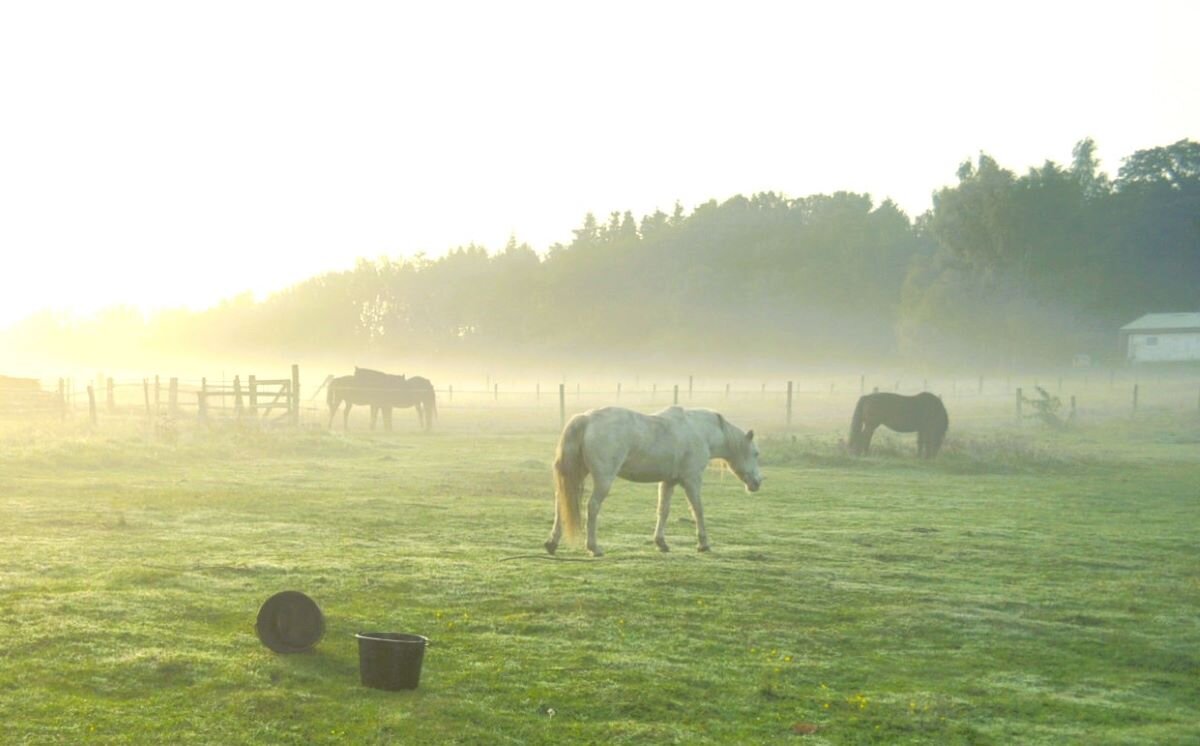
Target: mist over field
x: 870, y: 473
x: 1006, y: 271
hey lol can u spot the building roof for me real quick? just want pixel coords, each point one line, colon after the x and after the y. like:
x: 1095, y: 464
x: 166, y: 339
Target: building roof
x: 1160, y: 322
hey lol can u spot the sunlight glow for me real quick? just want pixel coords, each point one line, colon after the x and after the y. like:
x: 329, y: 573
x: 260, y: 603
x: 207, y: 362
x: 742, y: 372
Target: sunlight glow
x: 162, y: 154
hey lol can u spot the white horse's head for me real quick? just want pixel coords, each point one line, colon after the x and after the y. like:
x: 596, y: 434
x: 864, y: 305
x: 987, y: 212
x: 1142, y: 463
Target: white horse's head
x: 743, y: 458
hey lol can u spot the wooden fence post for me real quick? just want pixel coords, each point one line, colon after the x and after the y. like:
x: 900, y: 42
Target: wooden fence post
x: 562, y: 404
x: 1072, y: 406
x: 91, y: 404
x: 146, y: 394
x: 689, y: 388
x: 1019, y: 404
x: 252, y: 383
x: 295, y: 408
x: 202, y: 400
x: 676, y: 399
x: 110, y: 396
x: 1135, y: 398
x: 62, y: 399
x: 653, y: 391
x: 173, y: 396
x: 237, y: 397
x: 726, y: 392
x: 862, y: 384
x: 156, y: 394
x: 789, y: 403
x: 618, y: 391
x: 495, y: 392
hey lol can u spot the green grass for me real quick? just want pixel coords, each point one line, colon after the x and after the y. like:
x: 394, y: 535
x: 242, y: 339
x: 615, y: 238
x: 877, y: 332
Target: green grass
x: 1014, y: 591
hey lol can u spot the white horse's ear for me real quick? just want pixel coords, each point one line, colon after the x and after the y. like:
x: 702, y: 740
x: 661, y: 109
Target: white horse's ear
x: 749, y: 435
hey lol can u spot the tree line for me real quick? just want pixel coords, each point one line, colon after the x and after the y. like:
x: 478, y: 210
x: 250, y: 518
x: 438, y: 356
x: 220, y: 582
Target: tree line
x: 1004, y: 269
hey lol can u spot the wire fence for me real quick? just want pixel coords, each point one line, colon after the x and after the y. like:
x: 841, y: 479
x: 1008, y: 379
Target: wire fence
x: 809, y: 401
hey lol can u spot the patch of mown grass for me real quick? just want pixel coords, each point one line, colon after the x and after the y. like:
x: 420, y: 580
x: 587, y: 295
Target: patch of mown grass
x: 1029, y: 449
x: 878, y: 600
x: 1006, y: 453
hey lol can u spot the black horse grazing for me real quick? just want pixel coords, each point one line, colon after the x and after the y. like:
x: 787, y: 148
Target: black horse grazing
x: 382, y: 391
x: 923, y: 413
x: 350, y: 390
x: 416, y: 392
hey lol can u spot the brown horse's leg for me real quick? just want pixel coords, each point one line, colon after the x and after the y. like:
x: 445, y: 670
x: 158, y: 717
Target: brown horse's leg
x: 867, y: 434
x: 922, y: 444
x: 332, y: 412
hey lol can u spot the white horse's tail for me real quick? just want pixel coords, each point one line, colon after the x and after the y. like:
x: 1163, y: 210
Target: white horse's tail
x: 569, y: 473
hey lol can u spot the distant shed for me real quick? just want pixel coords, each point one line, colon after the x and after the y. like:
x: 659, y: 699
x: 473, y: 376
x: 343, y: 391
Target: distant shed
x: 1162, y: 338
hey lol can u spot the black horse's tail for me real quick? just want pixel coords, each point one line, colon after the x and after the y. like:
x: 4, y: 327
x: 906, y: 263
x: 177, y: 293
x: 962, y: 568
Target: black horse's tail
x: 333, y: 398
x: 941, y: 425
x: 856, y: 426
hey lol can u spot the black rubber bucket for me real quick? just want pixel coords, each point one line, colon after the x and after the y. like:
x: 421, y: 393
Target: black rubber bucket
x: 290, y: 622
x: 390, y: 660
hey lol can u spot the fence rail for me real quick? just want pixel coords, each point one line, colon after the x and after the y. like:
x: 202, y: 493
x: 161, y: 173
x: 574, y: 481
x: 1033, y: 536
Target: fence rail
x: 777, y: 403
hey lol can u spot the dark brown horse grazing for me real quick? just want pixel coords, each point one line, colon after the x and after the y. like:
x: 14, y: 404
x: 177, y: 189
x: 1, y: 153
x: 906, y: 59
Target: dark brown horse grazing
x: 351, y: 390
x: 923, y: 413
x: 416, y: 392
x: 383, y: 391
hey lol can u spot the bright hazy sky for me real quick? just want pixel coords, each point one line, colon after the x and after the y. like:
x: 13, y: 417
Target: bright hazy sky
x: 170, y: 153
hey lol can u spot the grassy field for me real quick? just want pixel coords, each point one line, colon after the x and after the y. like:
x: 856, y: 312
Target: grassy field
x: 1031, y: 586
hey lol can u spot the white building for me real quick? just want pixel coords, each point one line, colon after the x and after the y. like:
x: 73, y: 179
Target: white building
x: 1162, y: 337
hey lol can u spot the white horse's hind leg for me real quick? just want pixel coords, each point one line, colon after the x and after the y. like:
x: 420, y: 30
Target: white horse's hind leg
x: 692, y: 489
x: 664, y: 508
x: 557, y: 530
x: 600, y: 490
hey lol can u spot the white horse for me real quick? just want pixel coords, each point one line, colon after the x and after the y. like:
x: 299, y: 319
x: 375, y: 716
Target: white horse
x: 672, y: 447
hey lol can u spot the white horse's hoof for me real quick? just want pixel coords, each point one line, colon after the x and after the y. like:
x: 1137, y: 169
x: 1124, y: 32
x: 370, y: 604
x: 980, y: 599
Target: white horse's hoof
x: 595, y: 552
x: 551, y: 546
x: 703, y: 548
x: 662, y: 545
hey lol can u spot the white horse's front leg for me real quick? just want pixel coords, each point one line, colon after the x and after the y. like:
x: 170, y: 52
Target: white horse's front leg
x: 692, y: 489
x: 600, y: 490
x: 664, y: 508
